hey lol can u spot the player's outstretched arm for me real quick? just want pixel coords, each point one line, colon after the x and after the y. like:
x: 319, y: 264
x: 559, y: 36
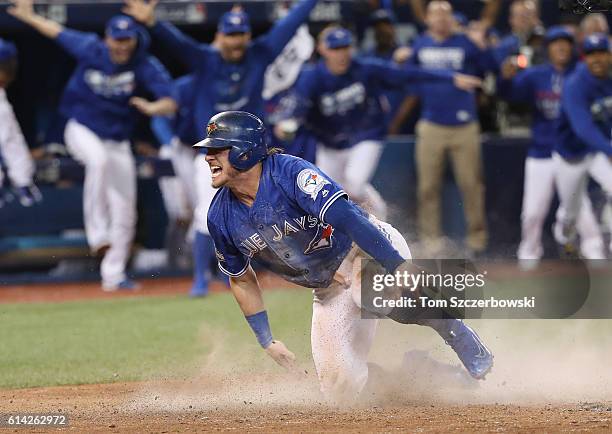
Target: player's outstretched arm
x: 184, y: 47
x: 23, y: 10
x: 282, y: 32
x: 394, y: 76
x: 577, y: 107
x: 248, y: 294
x: 162, y: 107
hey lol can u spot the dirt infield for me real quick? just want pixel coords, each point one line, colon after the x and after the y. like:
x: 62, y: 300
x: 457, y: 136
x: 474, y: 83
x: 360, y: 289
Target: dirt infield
x: 114, y: 408
x: 550, y: 376
x: 58, y: 292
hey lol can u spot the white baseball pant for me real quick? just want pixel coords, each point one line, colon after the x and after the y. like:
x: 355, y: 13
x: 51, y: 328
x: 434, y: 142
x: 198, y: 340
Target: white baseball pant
x: 538, y: 192
x: 340, y: 338
x: 353, y: 169
x: 109, y: 196
x: 571, y: 180
x: 13, y: 147
x: 179, y: 192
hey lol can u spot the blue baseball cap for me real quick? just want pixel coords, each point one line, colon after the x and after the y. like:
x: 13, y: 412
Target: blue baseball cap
x: 122, y: 27
x: 558, y: 32
x: 383, y: 16
x: 234, y: 22
x: 7, y: 50
x: 596, y: 42
x: 338, y: 38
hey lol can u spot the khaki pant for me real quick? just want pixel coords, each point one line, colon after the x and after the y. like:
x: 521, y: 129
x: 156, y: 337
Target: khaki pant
x: 462, y: 144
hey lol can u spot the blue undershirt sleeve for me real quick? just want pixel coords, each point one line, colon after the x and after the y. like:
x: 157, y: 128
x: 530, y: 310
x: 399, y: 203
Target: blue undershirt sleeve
x: 346, y: 217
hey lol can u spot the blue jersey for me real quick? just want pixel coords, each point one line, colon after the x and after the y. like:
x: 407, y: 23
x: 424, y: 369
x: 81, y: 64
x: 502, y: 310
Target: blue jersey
x: 222, y: 85
x: 395, y: 96
x: 284, y: 230
x: 99, y: 91
x: 442, y: 102
x: 343, y: 110
x: 181, y: 124
x: 540, y: 86
x: 585, y: 123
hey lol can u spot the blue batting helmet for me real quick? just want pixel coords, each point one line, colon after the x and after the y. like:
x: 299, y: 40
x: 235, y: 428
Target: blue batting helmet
x: 243, y: 133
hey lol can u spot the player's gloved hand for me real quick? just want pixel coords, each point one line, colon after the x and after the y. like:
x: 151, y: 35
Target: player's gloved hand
x: 286, y: 129
x: 141, y: 10
x: 28, y: 196
x: 281, y: 355
x: 467, y: 82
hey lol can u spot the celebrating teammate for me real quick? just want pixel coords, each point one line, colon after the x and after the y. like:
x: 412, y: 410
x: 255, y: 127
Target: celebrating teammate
x: 228, y: 75
x: 289, y: 217
x: 541, y: 86
x: 14, y: 152
x: 98, y: 102
x: 339, y: 101
x: 584, y: 143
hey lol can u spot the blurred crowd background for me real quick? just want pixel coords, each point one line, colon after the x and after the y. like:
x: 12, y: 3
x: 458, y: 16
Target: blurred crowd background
x: 46, y: 241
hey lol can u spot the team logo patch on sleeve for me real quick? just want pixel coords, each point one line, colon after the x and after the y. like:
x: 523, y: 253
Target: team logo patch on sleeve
x: 311, y: 182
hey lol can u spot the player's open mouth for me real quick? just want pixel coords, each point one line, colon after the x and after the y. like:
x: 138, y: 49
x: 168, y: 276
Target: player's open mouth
x: 215, y: 170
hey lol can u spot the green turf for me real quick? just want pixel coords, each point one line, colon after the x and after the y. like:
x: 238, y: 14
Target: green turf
x: 132, y: 339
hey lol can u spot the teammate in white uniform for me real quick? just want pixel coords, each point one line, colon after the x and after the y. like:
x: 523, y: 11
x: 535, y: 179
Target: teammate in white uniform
x: 99, y: 101
x: 541, y: 87
x: 584, y: 144
x: 14, y: 152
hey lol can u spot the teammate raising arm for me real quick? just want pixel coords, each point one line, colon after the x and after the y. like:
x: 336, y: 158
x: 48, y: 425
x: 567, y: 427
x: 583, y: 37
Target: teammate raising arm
x: 339, y: 102
x: 289, y: 217
x: 99, y: 101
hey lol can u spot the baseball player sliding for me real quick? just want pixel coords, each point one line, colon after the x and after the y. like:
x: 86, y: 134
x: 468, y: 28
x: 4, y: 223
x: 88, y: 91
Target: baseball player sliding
x: 289, y: 217
x: 228, y: 75
x: 98, y: 102
x: 339, y: 100
x: 584, y: 144
x: 14, y: 152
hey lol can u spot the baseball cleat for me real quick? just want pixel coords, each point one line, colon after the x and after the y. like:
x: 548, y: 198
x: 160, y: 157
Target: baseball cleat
x: 475, y: 356
x: 198, y: 291
x: 124, y: 285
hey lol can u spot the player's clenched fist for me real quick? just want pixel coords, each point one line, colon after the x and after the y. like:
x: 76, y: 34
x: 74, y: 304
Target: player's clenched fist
x: 141, y: 10
x: 281, y: 355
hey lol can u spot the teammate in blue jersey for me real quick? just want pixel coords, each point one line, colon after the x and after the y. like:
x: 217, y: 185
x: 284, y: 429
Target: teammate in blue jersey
x: 230, y: 74
x: 584, y: 142
x: 99, y: 102
x: 188, y: 194
x: 292, y: 219
x: 339, y: 101
x: 541, y: 87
